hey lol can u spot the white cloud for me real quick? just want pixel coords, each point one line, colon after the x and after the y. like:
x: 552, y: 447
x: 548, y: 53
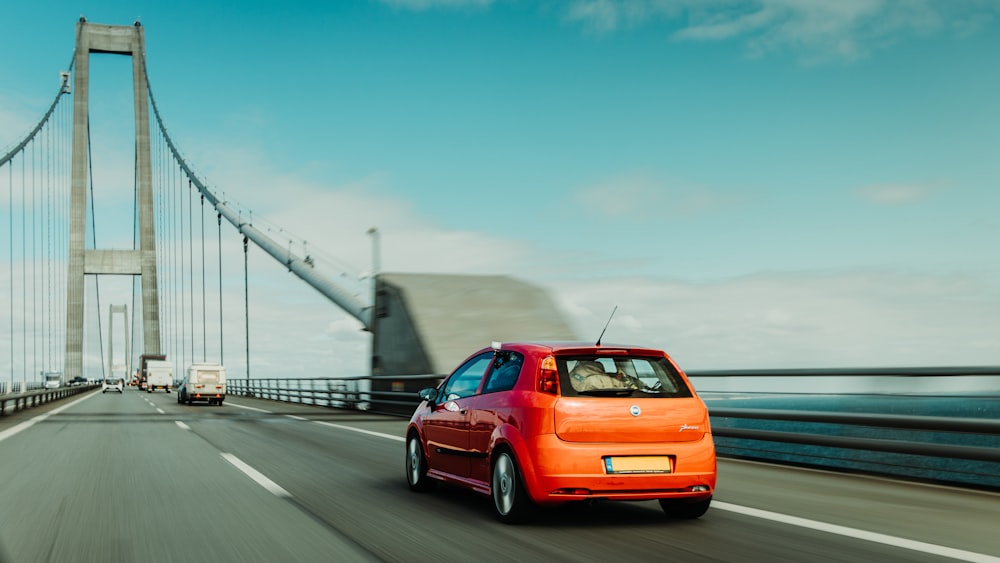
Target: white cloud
x: 816, y: 32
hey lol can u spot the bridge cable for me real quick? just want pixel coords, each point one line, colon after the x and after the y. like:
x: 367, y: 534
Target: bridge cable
x: 204, y: 307
x: 93, y: 238
x: 191, y: 260
x: 246, y: 293
x: 135, y: 244
x: 180, y: 270
x: 46, y: 264
x: 10, y: 209
x: 24, y: 279
x: 34, y: 261
x: 221, y: 339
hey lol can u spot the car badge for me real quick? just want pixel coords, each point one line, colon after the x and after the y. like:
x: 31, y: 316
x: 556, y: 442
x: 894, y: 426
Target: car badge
x: 686, y: 427
x: 635, y: 410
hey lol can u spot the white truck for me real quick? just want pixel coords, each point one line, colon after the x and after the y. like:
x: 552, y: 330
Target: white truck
x: 203, y: 382
x: 53, y: 379
x: 159, y: 375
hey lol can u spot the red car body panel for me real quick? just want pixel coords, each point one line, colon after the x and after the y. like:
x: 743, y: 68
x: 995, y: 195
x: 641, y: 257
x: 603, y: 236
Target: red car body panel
x: 565, y: 445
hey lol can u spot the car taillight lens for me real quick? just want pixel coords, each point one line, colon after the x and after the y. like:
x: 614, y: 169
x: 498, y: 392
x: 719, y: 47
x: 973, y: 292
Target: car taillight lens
x: 548, y: 376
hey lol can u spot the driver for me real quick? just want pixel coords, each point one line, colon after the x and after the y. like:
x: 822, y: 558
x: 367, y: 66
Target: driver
x: 589, y: 375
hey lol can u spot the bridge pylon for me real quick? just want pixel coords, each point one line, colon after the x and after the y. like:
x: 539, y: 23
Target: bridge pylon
x: 123, y: 40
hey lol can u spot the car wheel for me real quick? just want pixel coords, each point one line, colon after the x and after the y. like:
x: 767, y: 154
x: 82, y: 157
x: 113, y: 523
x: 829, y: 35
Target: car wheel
x: 416, y: 465
x: 684, y: 508
x: 510, y: 500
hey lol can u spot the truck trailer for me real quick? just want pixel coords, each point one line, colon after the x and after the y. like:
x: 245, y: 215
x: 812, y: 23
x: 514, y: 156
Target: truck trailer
x: 159, y: 375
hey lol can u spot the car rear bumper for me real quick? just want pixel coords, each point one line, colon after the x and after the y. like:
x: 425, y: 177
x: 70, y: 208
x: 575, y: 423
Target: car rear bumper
x: 564, y: 471
x: 206, y: 396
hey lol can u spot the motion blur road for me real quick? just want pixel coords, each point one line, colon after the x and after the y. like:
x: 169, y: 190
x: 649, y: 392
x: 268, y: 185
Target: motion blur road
x: 137, y: 477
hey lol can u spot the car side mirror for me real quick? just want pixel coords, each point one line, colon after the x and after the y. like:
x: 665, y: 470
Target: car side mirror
x: 429, y: 394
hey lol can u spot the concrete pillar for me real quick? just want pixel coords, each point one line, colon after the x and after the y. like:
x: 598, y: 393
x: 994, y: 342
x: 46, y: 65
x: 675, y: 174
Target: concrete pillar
x: 123, y: 40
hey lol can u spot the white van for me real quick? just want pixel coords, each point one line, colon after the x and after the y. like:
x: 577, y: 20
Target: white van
x: 159, y: 375
x: 53, y: 380
x: 203, y: 382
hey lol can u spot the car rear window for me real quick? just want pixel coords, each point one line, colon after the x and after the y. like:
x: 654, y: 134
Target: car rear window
x: 620, y: 376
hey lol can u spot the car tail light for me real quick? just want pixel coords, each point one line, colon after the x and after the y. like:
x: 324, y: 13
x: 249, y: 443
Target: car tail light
x: 548, y: 376
x: 576, y: 492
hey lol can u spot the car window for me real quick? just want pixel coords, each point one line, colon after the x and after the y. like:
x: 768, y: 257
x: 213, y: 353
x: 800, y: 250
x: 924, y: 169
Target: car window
x: 621, y: 376
x: 465, y: 381
x: 506, y: 369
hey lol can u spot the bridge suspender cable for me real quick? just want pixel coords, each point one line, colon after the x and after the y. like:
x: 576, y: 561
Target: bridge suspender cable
x: 221, y: 339
x: 24, y: 270
x: 204, y: 313
x: 246, y: 298
x: 10, y: 209
x: 191, y: 260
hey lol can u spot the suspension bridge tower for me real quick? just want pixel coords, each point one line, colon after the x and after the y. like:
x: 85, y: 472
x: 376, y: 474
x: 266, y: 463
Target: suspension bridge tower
x: 122, y: 40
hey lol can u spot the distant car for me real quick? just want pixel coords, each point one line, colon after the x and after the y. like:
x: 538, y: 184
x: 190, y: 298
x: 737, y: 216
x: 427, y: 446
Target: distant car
x: 112, y: 385
x: 77, y: 381
x: 540, y: 424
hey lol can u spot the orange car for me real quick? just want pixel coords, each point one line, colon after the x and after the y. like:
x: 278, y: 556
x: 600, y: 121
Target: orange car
x: 534, y: 424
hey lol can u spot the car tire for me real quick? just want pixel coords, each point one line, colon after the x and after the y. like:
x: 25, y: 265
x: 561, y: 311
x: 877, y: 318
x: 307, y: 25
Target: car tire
x: 416, y: 465
x: 510, y: 500
x: 685, y: 508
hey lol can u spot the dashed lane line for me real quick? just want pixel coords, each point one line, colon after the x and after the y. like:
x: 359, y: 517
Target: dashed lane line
x: 257, y: 476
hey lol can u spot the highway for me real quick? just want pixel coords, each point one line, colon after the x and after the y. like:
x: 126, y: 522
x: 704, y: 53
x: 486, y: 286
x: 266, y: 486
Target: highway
x: 138, y: 477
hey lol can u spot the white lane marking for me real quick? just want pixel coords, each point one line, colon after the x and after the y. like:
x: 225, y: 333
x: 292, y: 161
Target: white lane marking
x: 894, y: 541
x: 182, y: 425
x: 159, y: 410
x: 293, y: 417
x: 246, y: 407
x: 379, y: 434
x: 257, y: 476
x: 31, y: 421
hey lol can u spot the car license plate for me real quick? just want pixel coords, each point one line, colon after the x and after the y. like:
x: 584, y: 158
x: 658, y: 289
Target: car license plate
x: 639, y: 464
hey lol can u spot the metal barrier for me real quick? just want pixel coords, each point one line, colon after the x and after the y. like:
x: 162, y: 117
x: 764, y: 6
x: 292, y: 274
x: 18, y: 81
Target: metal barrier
x: 383, y: 395
x: 949, y: 433
x: 29, y: 399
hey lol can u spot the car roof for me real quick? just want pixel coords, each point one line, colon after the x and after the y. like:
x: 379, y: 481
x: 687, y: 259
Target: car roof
x: 560, y: 347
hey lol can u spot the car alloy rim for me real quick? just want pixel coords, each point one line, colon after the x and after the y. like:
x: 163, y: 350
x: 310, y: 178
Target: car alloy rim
x: 503, y: 484
x: 414, y: 459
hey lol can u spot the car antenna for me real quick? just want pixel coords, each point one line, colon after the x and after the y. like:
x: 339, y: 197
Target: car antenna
x: 606, y: 326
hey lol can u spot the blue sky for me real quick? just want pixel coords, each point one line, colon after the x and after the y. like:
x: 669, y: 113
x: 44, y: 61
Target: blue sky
x: 756, y: 184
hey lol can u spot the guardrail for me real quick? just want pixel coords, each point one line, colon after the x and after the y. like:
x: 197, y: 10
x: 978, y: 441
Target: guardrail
x: 391, y: 395
x: 28, y: 399
x: 934, y: 424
